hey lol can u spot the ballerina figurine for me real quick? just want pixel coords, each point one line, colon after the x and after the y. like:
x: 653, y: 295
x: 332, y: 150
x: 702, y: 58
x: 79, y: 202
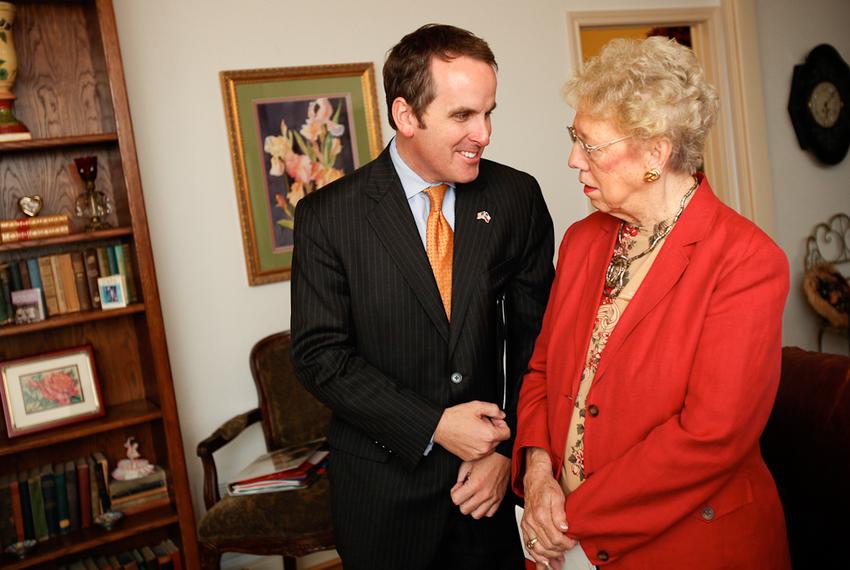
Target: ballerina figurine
x: 133, y: 467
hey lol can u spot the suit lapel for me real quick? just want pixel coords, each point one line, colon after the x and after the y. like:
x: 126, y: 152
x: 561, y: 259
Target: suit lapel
x: 471, y: 237
x: 665, y: 272
x: 393, y: 223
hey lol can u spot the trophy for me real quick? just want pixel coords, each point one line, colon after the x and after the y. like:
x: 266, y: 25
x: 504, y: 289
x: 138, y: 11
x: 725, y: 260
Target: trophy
x: 11, y: 129
x: 92, y: 204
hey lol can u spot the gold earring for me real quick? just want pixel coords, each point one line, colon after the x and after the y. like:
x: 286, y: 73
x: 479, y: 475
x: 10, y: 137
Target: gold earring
x: 652, y: 175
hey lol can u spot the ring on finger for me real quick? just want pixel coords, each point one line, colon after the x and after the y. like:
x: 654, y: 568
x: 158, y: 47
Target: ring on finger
x: 532, y: 542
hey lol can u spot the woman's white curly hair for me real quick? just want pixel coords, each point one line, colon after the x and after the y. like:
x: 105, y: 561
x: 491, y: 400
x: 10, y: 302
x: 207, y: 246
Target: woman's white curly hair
x: 650, y: 88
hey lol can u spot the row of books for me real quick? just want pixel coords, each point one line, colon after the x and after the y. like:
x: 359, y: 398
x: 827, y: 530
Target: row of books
x: 286, y: 469
x: 52, y: 500
x: 67, y: 280
x: 39, y: 227
x: 162, y: 556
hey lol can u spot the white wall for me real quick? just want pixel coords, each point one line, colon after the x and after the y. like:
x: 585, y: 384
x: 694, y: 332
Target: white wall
x: 173, y: 52
x: 805, y: 191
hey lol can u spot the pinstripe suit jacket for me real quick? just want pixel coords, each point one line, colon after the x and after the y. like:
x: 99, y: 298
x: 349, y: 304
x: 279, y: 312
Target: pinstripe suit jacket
x: 371, y: 340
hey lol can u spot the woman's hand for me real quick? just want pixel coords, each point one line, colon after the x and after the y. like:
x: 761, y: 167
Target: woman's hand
x: 544, y: 518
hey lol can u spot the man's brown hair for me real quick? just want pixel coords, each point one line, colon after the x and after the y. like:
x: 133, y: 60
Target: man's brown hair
x: 407, y: 69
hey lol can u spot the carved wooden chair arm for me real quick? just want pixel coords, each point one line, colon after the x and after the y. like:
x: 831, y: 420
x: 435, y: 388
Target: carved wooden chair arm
x: 221, y: 437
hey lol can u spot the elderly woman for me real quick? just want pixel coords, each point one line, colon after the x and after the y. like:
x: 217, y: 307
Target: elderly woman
x: 659, y: 357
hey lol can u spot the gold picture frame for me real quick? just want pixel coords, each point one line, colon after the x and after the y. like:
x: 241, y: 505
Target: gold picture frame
x: 291, y: 131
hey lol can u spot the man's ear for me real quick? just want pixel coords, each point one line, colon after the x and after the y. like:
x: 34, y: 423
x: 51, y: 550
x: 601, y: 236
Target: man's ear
x: 404, y: 117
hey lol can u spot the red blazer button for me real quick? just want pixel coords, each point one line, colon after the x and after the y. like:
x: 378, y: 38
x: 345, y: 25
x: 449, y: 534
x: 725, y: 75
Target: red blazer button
x: 593, y: 410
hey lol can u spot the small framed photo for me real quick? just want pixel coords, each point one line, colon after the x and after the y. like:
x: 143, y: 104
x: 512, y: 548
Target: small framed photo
x: 113, y: 291
x: 28, y: 306
x: 50, y: 390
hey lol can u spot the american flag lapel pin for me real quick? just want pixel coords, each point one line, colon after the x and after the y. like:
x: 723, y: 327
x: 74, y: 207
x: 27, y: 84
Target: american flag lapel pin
x: 483, y: 215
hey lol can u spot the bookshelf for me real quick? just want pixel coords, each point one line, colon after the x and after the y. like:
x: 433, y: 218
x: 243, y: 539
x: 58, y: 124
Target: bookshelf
x: 72, y: 96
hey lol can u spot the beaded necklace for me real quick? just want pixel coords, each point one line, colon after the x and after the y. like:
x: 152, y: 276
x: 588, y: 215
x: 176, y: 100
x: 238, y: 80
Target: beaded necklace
x: 617, y: 274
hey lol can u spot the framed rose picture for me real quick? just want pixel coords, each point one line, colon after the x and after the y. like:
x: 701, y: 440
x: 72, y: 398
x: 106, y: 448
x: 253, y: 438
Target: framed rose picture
x: 50, y: 390
x: 292, y: 130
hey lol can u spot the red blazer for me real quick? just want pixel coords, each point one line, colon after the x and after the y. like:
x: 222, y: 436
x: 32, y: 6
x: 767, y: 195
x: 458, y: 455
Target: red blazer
x: 675, y: 478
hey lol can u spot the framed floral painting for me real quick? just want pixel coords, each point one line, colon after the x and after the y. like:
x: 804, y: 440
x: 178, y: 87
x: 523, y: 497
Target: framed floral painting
x: 292, y: 130
x: 50, y: 390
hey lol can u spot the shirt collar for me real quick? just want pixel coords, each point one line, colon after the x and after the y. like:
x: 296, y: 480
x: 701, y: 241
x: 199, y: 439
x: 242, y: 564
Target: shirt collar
x: 411, y: 182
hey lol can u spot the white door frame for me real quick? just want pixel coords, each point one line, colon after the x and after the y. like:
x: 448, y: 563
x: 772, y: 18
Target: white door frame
x: 725, y: 39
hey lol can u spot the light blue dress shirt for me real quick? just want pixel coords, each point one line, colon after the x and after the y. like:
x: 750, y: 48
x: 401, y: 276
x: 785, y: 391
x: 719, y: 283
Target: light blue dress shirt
x: 419, y: 202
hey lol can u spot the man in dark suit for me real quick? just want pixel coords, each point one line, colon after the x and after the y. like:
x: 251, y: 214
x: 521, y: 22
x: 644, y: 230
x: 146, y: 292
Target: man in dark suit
x: 419, y: 283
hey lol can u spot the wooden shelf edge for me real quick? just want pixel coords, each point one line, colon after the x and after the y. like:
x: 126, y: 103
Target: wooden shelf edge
x: 117, y: 416
x: 77, y: 237
x: 71, y: 319
x: 86, y: 539
x: 59, y: 142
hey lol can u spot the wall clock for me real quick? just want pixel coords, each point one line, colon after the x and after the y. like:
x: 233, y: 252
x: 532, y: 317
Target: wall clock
x: 819, y: 104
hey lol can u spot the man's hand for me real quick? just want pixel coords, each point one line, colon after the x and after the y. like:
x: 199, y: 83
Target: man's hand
x: 472, y: 430
x: 481, y: 485
x: 544, y: 518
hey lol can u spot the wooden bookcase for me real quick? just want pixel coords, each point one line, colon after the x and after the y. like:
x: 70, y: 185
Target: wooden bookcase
x: 72, y: 96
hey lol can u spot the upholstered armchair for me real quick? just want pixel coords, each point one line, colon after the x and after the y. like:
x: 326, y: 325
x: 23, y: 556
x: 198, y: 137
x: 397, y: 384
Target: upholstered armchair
x: 806, y: 445
x: 289, y: 523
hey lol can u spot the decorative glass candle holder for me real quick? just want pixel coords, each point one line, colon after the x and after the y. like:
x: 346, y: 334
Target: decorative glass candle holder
x: 92, y: 204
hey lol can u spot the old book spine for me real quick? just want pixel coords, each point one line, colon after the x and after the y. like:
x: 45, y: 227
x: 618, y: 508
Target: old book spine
x: 152, y: 491
x: 149, y: 556
x: 34, y: 233
x: 17, y: 509
x: 15, y: 273
x: 51, y: 505
x: 92, y: 273
x: 39, y: 518
x: 127, y: 560
x: 124, y: 258
x: 35, y: 273
x: 136, y: 491
x: 6, y: 311
x: 163, y: 555
x: 94, y: 493
x: 84, y: 492
x: 8, y: 534
x: 37, y: 222
x: 112, y: 260
x: 175, y: 554
x: 71, y: 490
x: 26, y: 282
x: 102, y: 480
x: 103, y: 261
x: 26, y: 505
x: 144, y: 504
x: 62, y: 508
x: 51, y: 299
x: 81, y: 281
x: 69, y: 282
x: 59, y: 284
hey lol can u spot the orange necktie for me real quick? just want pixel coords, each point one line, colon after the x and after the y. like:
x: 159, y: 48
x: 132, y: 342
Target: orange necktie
x: 439, y: 243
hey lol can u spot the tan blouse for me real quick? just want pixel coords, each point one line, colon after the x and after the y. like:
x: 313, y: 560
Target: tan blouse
x: 632, y: 242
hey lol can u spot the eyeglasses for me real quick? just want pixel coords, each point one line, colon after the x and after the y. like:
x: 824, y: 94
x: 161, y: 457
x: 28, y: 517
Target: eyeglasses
x: 589, y: 149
